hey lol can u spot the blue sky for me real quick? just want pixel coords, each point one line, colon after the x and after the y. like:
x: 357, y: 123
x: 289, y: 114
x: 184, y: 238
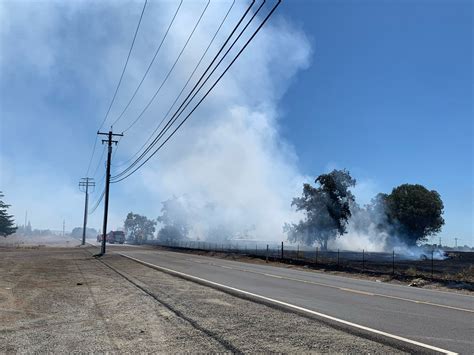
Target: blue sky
x: 388, y: 95
x: 382, y: 88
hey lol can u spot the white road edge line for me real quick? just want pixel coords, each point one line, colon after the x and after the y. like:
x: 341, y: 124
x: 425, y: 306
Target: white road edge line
x: 289, y: 305
x: 364, y: 281
x: 335, y: 287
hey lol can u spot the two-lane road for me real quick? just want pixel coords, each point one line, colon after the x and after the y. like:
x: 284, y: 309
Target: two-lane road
x: 440, y: 319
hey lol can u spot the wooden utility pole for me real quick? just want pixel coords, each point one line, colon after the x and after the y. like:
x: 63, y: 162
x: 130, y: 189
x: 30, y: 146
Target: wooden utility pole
x: 109, y: 142
x: 84, y: 185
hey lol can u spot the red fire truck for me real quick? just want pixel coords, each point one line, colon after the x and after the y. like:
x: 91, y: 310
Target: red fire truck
x: 112, y: 237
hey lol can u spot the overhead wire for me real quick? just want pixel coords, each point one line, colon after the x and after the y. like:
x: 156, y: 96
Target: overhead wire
x: 100, y: 160
x: 183, y: 88
x: 149, y: 65
x: 206, y: 94
x: 195, y: 86
x: 118, y: 85
x: 125, y: 65
x: 92, y: 157
x: 170, y: 70
x: 102, y: 183
x: 97, y: 203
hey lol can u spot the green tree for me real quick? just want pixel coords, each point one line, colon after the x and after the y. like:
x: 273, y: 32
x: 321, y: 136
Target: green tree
x: 139, y: 228
x: 415, y: 212
x: 326, y: 209
x: 7, y: 224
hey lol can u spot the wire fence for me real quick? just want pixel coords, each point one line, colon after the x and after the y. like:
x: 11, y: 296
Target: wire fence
x: 432, y: 264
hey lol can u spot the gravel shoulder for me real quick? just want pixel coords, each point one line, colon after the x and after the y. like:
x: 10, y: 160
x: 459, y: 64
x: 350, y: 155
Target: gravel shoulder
x: 64, y: 300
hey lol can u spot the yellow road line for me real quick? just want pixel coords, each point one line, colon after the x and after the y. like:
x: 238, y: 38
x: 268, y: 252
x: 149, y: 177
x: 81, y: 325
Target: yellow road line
x: 290, y: 306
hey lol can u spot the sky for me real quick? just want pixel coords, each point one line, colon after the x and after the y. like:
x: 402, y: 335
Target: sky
x: 381, y: 88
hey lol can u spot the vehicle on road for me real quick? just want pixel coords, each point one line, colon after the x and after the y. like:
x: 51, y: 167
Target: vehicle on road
x: 113, y: 237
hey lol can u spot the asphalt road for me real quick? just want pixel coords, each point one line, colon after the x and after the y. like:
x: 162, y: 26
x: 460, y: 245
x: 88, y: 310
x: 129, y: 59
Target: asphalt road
x: 441, y: 319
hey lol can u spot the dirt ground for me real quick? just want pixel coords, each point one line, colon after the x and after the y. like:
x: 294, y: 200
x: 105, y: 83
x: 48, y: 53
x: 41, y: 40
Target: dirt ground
x: 64, y: 300
x: 37, y: 241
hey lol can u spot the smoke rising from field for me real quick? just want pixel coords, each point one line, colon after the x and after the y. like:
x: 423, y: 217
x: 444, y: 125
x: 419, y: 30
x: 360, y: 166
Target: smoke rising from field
x: 230, y: 154
x: 369, y: 229
x: 229, y: 165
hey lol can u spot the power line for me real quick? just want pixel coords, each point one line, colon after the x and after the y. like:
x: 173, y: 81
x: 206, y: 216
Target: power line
x: 97, y: 203
x: 98, y: 163
x: 170, y: 71
x: 186, y: 104
x: 84, y: 185
x: 149, y: 65
x: 125, y: 66
x: 182, y: 90
x: 92, y: 156
x: 102, y: 179
x: 142, y: 155
x: 207, y: 93
x: 118, y: 85
x: 110, y: 141
x: 168, y: 126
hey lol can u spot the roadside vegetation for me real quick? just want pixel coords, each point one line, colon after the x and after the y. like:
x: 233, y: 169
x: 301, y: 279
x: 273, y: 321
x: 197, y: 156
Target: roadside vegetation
x: 409, y: 214
x: 7, y: 223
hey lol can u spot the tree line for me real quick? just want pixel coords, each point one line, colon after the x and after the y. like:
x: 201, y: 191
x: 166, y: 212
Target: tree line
x: 174, y: 226
x: 410, y: 213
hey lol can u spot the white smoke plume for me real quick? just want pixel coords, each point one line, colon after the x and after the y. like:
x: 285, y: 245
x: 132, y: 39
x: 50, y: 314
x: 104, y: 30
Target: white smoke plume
x: 229, y: 155
x: 369, y: 229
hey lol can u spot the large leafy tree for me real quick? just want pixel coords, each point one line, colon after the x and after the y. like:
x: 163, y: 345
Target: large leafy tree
x: 415, y: 212
x: 326, y: 208
x: 7, y: 224
x: 139, y: 228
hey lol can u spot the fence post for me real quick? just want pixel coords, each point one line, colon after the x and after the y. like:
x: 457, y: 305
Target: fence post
x: 393, y: 262
x: 281, y: 250
x: 338, y: 258
x: 432, y: 252
x: 363, y: 260
x: 266, y: 258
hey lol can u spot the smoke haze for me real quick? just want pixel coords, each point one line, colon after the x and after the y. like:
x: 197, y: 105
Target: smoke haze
x: 229, y: 155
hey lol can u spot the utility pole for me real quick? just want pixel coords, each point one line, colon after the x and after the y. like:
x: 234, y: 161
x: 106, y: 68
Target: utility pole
x: 455, y: 243
x: 64, y: 227
x: 84, y: 185
x: 109, y: 142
